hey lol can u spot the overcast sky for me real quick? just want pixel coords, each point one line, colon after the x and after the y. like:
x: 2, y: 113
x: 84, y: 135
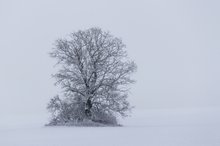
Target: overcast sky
x: 175, y: 43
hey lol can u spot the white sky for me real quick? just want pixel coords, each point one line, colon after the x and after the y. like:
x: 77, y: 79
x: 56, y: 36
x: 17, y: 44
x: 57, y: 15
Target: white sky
x: 175, y: 44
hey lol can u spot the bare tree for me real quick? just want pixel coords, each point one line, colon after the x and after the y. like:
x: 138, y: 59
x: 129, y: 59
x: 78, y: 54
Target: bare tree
x: 94, y: 73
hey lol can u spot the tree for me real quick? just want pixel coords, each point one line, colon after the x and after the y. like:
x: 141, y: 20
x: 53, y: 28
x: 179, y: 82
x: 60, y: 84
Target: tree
x: 94, y: 75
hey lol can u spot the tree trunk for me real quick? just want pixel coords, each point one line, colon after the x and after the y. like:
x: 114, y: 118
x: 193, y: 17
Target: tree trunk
x: 88, y: 108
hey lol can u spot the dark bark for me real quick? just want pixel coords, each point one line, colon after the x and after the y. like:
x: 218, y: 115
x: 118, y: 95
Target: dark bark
x: 88, y: 108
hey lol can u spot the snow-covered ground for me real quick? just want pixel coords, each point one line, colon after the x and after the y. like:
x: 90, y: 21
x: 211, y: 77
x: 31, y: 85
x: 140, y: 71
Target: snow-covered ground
x: 164, y: 127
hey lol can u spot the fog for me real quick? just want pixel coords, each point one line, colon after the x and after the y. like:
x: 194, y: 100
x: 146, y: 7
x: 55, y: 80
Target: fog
x: 174, y: 43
